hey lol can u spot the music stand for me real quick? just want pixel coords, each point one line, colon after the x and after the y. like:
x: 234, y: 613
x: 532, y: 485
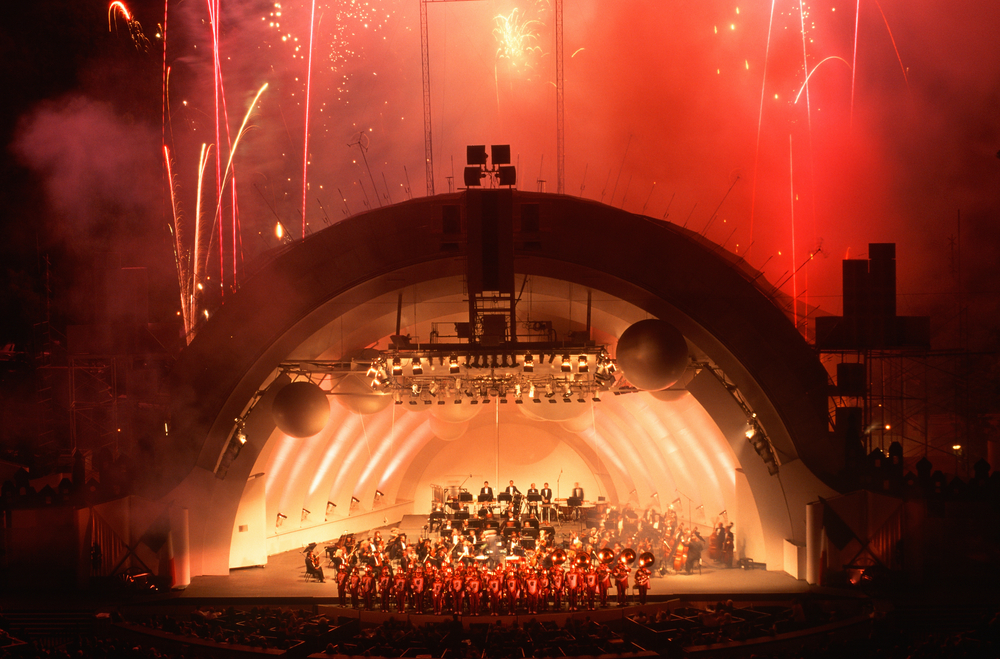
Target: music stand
x: 465, y: 496
x: 485, y: 498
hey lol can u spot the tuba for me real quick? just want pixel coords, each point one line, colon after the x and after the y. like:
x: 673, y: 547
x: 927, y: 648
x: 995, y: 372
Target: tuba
x: 646, y: 559
x: 627, y: 557
x: 558, y: 556
x: 582, y: 559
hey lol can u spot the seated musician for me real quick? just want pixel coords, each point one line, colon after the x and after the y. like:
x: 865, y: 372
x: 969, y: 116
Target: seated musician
x: 532, y: 521
x: 546, y: 494
x: 313, y: 566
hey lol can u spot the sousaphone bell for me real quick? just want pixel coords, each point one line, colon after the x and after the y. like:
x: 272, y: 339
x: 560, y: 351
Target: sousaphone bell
x: 582, y: 559
x: 646, y: 559
x: 606, y: 555
x: 558, y: 556
x: 627, y: 557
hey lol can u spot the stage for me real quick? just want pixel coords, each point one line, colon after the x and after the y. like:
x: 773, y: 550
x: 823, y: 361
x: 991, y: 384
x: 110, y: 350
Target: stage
x: 284, y: 577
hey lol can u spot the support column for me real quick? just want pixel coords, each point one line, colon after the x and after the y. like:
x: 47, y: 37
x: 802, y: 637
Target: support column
x: 814, y: 542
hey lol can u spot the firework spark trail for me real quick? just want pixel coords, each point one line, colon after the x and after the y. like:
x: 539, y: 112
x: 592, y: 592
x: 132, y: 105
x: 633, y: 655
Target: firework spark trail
x: 854, y: 58
x: 803, y: 87
x: 195, y: 277
x: 305, y: 137
x: 893, y: 40
x: 791, y: 189
x: 176, y: 231
x: 229, y: 162
x: 760, y: 121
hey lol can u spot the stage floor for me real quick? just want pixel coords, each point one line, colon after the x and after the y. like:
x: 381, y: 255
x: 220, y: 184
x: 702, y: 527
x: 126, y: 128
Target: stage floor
x: 283, y: 576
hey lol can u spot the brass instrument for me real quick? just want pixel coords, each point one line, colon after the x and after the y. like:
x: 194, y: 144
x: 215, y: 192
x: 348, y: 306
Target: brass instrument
x: 606, y: 555
x: 627, y: 557
x: 558, y: 556
x: 646, y: 559
x: 582, y: 559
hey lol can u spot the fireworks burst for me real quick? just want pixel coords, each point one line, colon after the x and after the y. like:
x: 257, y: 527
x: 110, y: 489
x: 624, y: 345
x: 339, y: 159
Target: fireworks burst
x: 118, y: 8
x: 516, y: 38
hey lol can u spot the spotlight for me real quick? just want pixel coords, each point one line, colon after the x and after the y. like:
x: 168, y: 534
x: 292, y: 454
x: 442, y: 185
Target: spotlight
x: 378, y: 493
x: 549, y: 392
x: 433, y: 389
x: 582, y: 366
x: 529, y: 363
x: 397, y: 366
x: 453, y: 364
x: 305, y: 514
x: 373, y: 369
x: 355, y: 500
x: 281, y: 518
x: 531, y: 391
x: 418, y: 368
x: 566, y: 367
x: 241, y: 437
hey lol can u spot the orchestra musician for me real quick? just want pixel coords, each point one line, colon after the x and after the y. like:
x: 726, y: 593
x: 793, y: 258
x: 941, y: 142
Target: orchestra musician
x: 532, y: 493
x: 546, y: 494
x: 487, y: 491
x: 313, y: 566
x: 577, y: 500
x: 511, y: 489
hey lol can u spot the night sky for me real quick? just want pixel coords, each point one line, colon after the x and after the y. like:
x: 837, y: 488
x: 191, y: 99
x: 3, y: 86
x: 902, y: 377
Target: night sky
x: 668, y: 107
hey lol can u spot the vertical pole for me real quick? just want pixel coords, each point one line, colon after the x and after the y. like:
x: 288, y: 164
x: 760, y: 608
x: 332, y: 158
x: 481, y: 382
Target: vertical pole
x: 426, y: 77
x: 560, y: 104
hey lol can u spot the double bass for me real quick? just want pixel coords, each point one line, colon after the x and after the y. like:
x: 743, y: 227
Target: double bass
x: 681, y: 553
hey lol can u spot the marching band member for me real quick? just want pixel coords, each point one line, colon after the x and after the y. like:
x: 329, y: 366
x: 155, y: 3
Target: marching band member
x: 474, y: 586
x: 592, y: 584
x: 385, y: 588
x: 494, y: 585
x: 642, y: 582
x: 573, y: 586
x: 557, y: 580
x: 620, y: 574
x: 399, y: 588
x: 513, y: 585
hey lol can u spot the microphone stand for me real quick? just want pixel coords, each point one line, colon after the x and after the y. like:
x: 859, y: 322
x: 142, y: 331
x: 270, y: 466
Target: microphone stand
x: 557, y: 482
